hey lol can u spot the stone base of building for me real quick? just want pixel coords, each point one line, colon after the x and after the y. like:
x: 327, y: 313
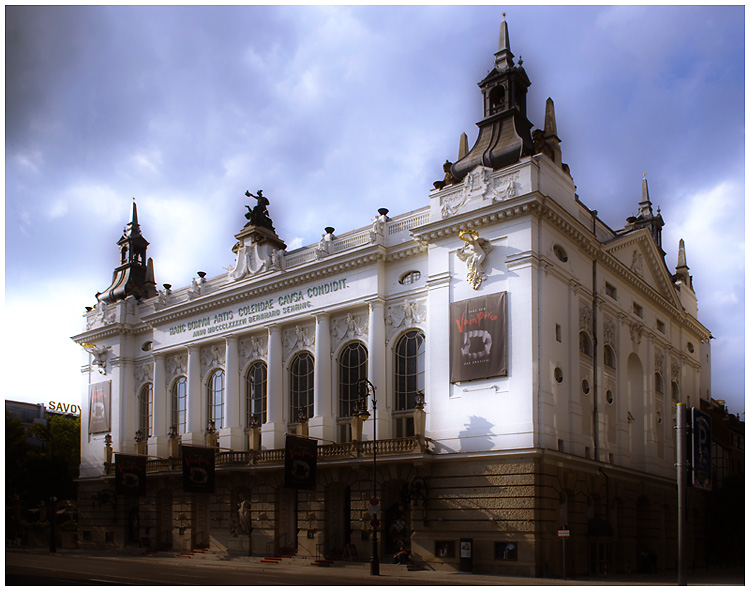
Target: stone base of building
x: 494, y: 513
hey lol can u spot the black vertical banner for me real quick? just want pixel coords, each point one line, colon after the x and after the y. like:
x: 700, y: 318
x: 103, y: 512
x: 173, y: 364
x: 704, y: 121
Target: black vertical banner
x: 130, y: 475
x: 198, y: 469
x: 300, y: 462
x: 479, y: 338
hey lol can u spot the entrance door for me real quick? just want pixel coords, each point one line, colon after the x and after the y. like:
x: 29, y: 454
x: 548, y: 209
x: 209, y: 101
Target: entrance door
x: 338, y: 534
x: 200, y: 521
x: 164, y: 520
x: 286, y: 519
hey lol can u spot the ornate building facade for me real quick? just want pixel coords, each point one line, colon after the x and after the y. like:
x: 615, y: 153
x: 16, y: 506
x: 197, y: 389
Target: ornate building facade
x: 525, y: 360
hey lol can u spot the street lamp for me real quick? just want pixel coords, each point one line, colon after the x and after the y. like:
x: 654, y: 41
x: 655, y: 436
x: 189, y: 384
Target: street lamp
x: 366, y: 388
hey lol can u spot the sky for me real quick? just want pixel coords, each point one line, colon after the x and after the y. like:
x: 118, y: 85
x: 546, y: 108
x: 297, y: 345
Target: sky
x: 335, y: 112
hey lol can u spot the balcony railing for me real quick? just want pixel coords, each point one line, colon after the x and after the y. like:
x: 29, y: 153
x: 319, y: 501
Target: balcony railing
x: 327, y: 452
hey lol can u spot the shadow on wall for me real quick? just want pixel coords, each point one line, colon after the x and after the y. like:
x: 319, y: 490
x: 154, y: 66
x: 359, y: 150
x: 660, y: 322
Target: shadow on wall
x: 476, y: 435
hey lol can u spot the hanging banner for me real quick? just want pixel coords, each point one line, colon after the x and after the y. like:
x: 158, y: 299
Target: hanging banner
x: 478, y: 338
x: 198, y: 469
x: 130, y: 475
x: 100, y: 396
x: 300, y: 462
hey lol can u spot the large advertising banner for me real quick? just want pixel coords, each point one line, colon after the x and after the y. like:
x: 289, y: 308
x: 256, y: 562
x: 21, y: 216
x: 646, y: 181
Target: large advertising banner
x: 130, y: 475
x: 300, y: 462
x: 479, y: 338
x: 100, y: 396
x: 198, y: 469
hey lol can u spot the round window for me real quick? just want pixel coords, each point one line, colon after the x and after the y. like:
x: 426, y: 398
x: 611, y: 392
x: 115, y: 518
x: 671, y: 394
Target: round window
x: 558, y: 375
x: 610, y: 397
x: 560, y: 253
x: 585, y: 386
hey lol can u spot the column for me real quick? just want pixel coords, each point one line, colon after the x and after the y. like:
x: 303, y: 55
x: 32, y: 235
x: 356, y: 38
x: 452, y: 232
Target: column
x: 157, y: 443
x: 376, y: 367
x: 274, y: 428
x: 194, y: 433
x: 321, y: 424
x: 232, y: 435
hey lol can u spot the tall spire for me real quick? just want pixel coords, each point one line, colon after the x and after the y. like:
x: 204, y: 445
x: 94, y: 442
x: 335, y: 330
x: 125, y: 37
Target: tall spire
x: 503, y: 57
x: 682, y: 269
x: 504, y: 132
x: 135, y: 275
x: 646, y: 218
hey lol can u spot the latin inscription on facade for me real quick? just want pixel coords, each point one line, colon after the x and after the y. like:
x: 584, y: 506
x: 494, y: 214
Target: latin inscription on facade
x: 285, y: 304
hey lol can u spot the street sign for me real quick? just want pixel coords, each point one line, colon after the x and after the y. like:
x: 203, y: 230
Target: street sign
x: 375, y: 523
x: 374, y: 501
x: 701, y: 449
x: 563, y: 533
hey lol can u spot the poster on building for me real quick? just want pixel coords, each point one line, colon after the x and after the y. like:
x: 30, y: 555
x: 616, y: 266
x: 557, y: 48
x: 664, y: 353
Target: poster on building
x: 478, y: 338
x: 130, y: 475
x: 198, y: 469
x: 300, y: 462
x: 100, y: 396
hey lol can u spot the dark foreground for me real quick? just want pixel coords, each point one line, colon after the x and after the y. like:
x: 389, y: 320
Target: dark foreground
x: 86, y: 568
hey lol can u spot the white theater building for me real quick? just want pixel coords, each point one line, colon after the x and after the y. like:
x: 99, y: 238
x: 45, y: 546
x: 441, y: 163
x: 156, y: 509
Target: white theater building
x: 526, y: 361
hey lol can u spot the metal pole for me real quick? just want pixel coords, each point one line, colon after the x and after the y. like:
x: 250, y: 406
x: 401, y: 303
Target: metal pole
x: 681, y: 493
x: 375, y: 560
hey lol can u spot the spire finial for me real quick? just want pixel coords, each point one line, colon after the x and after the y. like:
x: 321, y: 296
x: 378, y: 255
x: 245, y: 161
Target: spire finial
x: 503, y: 57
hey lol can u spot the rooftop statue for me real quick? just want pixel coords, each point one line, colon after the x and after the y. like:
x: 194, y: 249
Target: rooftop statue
x: 258, y: 215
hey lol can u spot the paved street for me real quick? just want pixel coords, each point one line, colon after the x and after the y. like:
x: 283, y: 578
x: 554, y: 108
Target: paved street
x: 68, y: 567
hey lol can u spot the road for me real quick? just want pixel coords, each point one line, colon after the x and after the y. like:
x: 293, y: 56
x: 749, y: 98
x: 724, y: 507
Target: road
x: 74, y: 567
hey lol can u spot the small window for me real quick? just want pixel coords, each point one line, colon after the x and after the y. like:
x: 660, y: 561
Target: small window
x: 410, y: 277
x: 658, y: 383
x: 585, y: 387
x: 506, y: 550
x: 661, y: 327
x: 609, y: 357
x: 675, y: 391
x: 610, y: 397
x: 610, y: 290
x: 691, y: 347
x: 558, y: 333
x: 147, y: 346
x: 445, y: 549
x: 584, y: 344
x: 560, y: 253
x: 558, y: 375
x: 637, y: 309
x: 659, y: 419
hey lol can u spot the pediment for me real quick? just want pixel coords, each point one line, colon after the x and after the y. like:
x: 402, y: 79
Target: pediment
x: 638, y: 252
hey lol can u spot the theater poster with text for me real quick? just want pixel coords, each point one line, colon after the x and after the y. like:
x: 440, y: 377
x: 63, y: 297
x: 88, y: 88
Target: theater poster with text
x: 479, y: 338
x: 300, y: 462
x: 130, y: 475
x: 198, y: 469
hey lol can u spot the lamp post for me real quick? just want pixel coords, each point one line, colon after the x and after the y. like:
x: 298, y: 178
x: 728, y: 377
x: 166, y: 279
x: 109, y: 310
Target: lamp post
x: 366, y: 388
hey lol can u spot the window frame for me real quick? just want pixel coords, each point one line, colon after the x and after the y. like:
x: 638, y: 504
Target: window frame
x: 256, y: 394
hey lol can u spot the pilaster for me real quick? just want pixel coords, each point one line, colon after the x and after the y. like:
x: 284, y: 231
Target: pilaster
x: 273, y: 430
x: 321, y: 424
x: 194, y: 434
x: 232, y: 436
x: 158, y: 442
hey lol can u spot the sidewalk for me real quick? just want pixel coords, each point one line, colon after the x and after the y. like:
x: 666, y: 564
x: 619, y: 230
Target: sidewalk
x: 346, y: 571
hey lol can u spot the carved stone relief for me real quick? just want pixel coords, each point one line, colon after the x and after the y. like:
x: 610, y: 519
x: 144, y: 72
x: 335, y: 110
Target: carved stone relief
x: 636, y: 332
x: 297, y: 338
x: 143, y: 373
x: 659, y: 362
x: 637, y: 265
x: 212, y: 357
x: 404, y: 315
x: 254, y: 347
x: 676, y: 371
x: 352, y: 327
x: 176, y: 365
x: 584, y: 318
x: 609, y: 333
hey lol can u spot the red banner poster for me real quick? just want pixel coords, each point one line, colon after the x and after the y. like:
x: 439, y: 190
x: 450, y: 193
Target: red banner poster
x: 479, y: 338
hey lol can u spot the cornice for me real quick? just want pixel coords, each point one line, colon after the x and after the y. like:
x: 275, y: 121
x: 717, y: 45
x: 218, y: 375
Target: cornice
x: 104, y: 332
x: 491, y: 214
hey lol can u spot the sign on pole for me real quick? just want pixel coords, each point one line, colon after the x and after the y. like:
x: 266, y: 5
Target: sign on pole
x: 701, y: 449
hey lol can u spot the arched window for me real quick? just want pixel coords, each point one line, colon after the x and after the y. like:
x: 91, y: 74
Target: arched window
x: 256, y: 381
x: 179, y: 404
x: 584, y: 344
x: 675, y: 391
x: 409, y: 361
x: 145, y: 410
x: 216, y: 399
x: 609, y: 357
x: 352, y: 369
x: 301, y: 387
x: 658, y: 383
